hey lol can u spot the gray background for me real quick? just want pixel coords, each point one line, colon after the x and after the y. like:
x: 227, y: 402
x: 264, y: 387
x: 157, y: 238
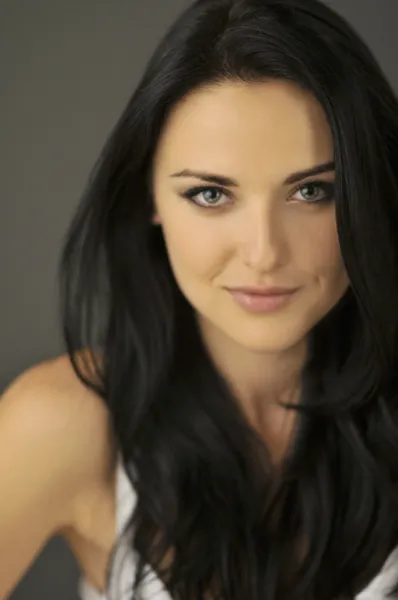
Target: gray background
x: 67, y: 70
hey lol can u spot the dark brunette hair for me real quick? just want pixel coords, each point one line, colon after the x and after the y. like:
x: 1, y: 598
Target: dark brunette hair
x: 207, y: 496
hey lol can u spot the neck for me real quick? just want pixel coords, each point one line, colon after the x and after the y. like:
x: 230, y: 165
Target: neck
x: 260, y: 381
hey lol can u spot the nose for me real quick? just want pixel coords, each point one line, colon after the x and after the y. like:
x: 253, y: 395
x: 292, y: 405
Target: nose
x: 263, y: 243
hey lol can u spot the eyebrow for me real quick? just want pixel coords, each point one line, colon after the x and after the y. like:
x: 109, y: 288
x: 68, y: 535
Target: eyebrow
x: 229, y: 182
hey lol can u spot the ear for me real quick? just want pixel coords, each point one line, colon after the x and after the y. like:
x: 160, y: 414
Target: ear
x: 156, y: 219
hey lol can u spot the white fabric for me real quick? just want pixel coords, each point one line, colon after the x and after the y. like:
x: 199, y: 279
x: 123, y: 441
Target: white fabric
x: 123, y: 573
x: 124, y: 565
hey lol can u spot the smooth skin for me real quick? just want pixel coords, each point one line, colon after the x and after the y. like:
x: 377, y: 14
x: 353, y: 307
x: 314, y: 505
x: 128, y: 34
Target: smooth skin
x: 57, y: 470
x: 259, y: 229
x: 57, y: 450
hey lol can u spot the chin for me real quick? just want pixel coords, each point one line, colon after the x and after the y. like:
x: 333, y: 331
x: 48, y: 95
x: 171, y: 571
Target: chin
x: 270, y: 338
x: 268, y: 345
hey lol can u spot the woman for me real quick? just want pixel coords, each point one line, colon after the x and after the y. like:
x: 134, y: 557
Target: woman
x: 229, y: 293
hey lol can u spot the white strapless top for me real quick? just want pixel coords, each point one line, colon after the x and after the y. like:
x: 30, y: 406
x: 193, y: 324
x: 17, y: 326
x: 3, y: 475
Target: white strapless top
x: 123, y: 573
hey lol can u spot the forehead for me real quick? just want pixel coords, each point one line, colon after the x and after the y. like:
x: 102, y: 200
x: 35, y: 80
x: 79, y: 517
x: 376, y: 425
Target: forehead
x: 271, y: 126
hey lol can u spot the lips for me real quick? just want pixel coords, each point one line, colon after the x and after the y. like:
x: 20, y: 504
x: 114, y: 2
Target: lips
x: 261, y: 300
x: 262, y: 291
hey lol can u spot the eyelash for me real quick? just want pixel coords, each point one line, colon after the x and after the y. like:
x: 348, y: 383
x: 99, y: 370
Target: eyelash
x: 326, y: 186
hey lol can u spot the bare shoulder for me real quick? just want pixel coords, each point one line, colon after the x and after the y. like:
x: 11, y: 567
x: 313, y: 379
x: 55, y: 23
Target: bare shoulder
x: 56, y: 447
x: 49, y: 405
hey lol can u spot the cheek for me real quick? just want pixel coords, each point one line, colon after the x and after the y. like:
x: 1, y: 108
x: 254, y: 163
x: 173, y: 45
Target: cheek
x: 194, y: 247
x: 321, y: 255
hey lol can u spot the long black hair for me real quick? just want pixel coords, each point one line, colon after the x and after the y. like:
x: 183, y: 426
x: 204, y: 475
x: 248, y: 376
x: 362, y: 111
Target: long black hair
x: 211, y: 513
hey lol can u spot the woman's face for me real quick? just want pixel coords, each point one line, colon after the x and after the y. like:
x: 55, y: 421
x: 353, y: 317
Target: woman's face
x: 260, y: 229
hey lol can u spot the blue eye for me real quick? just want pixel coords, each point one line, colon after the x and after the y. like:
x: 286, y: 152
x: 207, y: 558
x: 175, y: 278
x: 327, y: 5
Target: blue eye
x: 327, y: 189
x: 210, y: 196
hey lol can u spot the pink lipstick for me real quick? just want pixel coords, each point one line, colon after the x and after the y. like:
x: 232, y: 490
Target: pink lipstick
x: 261, y: 300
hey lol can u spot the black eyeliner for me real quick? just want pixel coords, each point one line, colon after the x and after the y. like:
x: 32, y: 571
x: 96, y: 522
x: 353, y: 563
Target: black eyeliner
x: 327, y: 186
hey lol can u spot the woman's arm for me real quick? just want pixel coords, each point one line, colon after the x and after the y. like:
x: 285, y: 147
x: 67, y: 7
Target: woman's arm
x: 51, y: 450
